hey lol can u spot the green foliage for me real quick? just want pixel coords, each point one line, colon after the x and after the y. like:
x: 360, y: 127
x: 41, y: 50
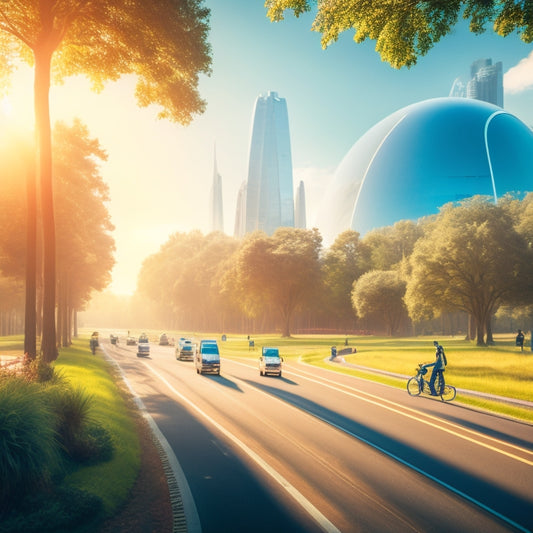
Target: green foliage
x: 72, y: 406
x: 28, y: 446
x: 39, y: 371
x: 281, y: 271
x: 471, y: 258
x: 404, y: 30
x: 61, y: 510
x: 379, y: 294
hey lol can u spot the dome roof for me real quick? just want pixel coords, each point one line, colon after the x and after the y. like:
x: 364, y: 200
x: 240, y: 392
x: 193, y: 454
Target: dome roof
x: 424, y: 156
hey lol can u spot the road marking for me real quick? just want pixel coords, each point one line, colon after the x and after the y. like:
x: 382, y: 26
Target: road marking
x: 397, y: 458
x: 322, y: 521
x: 192, y: 519
x: 405, y: 411
x: 438, y: 422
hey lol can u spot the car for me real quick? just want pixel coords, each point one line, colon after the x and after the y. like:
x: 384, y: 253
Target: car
x: 270, y: 362
x: 131, y: 341
x: 207, y: 358
x: 143, y: 346
x: 163, y: 339
x: 185, y: 350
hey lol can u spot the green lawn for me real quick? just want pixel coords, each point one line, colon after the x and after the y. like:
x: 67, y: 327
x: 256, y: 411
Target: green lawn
x: 113, y: 479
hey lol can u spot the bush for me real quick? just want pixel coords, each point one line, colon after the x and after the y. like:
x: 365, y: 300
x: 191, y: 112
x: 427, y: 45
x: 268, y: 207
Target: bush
x: 38, y: 370
x: 72, y: 407
x: 59, y: 511
x: 93, y: 444
x: 28, y: 445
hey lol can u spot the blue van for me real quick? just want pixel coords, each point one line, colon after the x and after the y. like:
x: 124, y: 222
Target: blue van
x: 207, y: 358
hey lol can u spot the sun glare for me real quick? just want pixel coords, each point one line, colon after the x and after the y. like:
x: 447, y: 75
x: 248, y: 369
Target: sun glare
x: 6, y: 108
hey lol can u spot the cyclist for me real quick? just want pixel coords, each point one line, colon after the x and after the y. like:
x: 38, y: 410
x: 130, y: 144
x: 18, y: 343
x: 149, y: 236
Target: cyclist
x: 438, y: 366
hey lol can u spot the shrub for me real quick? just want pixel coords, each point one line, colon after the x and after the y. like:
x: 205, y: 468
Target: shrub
x: 59, y: 511
x: 37, y: 370
x: 28, y: 445
x: 93, y: 444
x: 72, y: 408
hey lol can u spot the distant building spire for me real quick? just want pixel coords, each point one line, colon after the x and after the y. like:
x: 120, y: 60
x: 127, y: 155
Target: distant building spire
x: 217, y: 213
x: 300, y: 220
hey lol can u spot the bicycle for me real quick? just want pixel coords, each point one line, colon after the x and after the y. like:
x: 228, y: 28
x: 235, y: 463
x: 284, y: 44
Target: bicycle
x: 417, y: 385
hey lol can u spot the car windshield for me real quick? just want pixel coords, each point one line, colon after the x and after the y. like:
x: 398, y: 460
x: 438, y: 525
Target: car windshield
x: 272, y: 360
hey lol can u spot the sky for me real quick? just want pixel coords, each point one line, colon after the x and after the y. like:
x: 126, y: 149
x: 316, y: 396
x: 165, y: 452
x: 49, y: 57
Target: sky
x: 160, y: 173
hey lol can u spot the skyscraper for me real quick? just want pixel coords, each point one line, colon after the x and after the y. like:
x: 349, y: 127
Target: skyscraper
x: 240, y: 212
x: 300, y: 220
x: 269, y: 188
x: 217, y: 212
x: 486, y: 83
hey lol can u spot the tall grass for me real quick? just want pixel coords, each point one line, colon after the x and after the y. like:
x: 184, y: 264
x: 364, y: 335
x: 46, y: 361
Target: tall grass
x: 28, y: 447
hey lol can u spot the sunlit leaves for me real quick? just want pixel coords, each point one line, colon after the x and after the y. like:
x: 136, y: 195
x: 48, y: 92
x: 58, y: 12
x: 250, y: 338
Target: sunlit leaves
x: 405, y: 30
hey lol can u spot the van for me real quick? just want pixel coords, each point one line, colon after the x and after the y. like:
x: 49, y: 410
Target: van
x: 270, y: 362
x: 207, y: 358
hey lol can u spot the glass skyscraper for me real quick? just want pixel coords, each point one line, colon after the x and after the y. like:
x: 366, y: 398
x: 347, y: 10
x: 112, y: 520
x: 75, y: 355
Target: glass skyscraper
x: 269, y: 188
x: 486, y: 83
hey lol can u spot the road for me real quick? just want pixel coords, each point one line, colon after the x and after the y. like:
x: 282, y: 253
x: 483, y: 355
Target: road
x: 316, y: 450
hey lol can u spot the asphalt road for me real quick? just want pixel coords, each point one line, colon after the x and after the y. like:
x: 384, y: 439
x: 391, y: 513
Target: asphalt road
x: 319, y: 451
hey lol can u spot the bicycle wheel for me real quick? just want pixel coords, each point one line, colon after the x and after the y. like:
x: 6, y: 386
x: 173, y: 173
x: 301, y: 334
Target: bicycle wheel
x: 413, y: 387
x: 448, y: 394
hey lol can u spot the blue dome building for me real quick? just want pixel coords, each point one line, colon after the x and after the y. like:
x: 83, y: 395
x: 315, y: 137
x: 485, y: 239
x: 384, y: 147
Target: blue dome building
x: 424, y: 156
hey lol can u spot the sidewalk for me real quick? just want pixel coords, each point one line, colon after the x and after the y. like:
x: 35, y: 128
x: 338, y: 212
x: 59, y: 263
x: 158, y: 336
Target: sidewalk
x: 339, y: 360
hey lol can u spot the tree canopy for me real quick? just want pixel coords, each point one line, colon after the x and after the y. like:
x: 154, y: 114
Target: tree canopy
x: 405, y: 30
x: 471, y: 259
x: 163, y: 43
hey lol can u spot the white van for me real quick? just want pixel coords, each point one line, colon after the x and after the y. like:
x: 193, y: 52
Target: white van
x: 207, y: 358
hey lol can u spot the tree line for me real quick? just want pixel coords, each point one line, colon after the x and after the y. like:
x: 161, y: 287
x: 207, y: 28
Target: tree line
x: 474, y: 258
x: 84, y: 254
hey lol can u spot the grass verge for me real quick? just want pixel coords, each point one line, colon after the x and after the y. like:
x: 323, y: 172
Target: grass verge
x: 111, y: 480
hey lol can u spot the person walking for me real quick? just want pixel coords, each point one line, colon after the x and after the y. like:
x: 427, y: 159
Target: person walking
x: 520, y: 340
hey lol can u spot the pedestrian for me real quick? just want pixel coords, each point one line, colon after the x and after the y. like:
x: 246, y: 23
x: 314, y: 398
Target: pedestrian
x: 520, y: 340
x: 333, y: 353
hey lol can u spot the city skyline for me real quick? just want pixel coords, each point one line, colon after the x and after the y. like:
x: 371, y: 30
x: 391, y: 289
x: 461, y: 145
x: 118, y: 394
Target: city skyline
x: 335, y: 96
x: 485, y: 83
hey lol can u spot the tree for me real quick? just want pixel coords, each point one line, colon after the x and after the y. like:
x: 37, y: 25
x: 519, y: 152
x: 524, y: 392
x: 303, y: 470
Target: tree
x: 378, y: 295
x: 83, y: 224
x: 471, y: 259
x: 281, y: 272
x: 163, y: 43
x: 342, y: 265
x: 403, y: 29
x: 19, y: 225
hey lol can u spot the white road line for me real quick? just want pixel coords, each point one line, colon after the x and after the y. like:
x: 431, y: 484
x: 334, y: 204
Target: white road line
x: 405, y: 411
x: 406, y: 463
x: 322, y: 521
x: 191, y: 513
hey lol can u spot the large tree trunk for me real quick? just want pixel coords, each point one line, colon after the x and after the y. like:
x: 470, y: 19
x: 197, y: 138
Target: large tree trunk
x: 30, y: 315
x: 44, y: 146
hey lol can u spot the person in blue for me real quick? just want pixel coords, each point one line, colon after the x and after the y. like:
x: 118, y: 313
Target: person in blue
x: 438, y: 366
